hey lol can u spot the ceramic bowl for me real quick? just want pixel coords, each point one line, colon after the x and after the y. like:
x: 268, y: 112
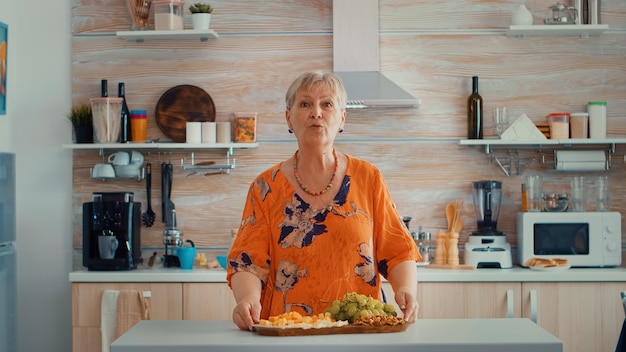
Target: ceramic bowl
x: 221, y: 258
x: 127, y: 170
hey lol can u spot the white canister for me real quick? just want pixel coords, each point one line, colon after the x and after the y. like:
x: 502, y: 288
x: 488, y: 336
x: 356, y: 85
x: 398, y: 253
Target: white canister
x: 194, y: 132
x: 597, y: 119
x: 223, y: 132
x: 209, y: 132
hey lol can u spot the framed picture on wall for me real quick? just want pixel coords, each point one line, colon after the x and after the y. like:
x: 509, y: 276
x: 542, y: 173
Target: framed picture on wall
x: 4, y: 39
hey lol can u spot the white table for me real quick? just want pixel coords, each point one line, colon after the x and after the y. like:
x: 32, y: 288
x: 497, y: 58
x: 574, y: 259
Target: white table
x: 428, y: 335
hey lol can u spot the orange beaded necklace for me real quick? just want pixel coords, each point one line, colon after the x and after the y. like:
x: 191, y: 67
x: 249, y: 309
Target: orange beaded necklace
x: 297, y: 175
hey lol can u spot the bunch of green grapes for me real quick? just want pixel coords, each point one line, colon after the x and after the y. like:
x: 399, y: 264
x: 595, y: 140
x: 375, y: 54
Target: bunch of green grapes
x: 353, y: 306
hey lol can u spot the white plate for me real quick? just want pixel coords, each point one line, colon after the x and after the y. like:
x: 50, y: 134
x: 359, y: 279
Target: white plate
x: 550, y: 268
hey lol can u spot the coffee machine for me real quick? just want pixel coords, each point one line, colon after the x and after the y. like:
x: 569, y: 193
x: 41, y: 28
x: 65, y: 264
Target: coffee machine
x: 111, y: 232
x: 487, y: 247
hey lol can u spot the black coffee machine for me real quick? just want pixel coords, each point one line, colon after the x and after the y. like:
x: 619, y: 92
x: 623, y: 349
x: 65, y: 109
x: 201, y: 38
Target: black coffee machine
x: 111, y: 232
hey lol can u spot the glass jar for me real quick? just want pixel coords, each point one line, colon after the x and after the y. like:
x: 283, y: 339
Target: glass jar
x: 168, y: 14
x: 555, y: 202
x: 426, y: 248
x: 559, y: 125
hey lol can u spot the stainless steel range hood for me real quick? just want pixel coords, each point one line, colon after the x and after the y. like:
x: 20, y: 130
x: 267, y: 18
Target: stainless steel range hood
x: 356, y: 58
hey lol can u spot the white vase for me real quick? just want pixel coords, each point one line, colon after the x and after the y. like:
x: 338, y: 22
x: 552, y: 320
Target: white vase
x: 201, y: 21
x: 522, y: 17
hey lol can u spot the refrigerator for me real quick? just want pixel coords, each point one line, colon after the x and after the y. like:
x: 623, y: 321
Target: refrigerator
x: 8, y: 255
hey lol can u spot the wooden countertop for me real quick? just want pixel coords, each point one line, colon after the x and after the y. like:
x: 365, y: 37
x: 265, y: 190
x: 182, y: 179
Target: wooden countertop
x: 516, y: 274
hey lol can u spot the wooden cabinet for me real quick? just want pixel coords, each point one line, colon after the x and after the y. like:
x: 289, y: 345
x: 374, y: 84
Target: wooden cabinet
x: 207, y: 301
x: 460, y: 300
x: 165, y: 304
x: 447, y: 300
x: 587, y: 316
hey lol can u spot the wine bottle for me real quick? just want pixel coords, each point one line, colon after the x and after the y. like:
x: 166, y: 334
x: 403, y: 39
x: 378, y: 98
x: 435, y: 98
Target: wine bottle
x: 475, y: 112
x: 125, y: 114
x: 104, y: 88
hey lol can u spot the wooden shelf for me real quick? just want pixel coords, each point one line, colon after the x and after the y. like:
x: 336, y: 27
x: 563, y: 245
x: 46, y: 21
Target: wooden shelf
x: 581, y: 30
x: 190, y: 34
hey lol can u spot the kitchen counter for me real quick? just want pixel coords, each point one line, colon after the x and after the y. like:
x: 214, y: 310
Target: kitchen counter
x: 516, y: 274
x: 428, y: 335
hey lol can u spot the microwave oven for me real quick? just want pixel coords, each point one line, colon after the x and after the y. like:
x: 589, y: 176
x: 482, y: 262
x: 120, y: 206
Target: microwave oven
x: 585, y: 239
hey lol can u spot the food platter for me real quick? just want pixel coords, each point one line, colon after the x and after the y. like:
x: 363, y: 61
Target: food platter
x: 346, y: 329
x: 182, y: 104
x: 550, y: 268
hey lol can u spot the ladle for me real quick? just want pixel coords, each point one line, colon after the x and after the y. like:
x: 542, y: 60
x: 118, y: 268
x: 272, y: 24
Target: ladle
x: 149, y: 215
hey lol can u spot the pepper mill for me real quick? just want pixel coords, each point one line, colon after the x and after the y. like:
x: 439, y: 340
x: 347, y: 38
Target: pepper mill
x: 440, y: 251
x: 453, y: 249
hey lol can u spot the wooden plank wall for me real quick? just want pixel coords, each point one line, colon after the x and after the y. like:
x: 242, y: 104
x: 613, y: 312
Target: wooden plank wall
x: 429, y: 48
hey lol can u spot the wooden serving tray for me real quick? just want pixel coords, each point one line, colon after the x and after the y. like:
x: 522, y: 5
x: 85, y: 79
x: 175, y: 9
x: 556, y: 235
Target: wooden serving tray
x: 347, y: 329
x: 182, y: 104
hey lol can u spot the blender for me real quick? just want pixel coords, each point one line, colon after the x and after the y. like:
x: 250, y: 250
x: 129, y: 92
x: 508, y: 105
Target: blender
x: 487, y: 247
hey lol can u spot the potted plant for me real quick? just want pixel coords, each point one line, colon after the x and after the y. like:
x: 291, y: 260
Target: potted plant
x: 81, y: 118
x: 200, y: 15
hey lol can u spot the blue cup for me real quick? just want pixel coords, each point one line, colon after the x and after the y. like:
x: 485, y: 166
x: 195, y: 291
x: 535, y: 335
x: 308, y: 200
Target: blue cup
x: 186, y: 256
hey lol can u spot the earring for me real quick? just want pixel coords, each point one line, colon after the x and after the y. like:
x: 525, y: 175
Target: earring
x: 341, y: 130
x: 290, y: 131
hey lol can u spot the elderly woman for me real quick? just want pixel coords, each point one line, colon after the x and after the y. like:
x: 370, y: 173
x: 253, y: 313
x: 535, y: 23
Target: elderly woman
x: 319, y: 224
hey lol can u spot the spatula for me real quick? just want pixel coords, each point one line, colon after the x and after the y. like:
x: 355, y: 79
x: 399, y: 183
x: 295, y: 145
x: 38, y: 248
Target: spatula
x: 148, y: 216
x: 450, y: 211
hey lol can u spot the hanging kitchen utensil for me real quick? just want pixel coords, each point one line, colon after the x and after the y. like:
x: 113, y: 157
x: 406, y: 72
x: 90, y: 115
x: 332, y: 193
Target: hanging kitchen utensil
x: 148, y: 216
x: 170, y: 172
x: 164, y: 192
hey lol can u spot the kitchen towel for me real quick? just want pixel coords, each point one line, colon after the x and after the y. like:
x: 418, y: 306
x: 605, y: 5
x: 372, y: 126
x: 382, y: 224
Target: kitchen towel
x: 108, y: 318
x: 132, y: 307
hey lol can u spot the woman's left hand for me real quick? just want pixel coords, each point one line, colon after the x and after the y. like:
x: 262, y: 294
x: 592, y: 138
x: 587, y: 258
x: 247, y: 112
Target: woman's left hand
x: 408, y: 304
x: 403, y: 279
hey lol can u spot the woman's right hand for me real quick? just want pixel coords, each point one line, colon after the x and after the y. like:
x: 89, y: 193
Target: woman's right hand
x: 246, y: 313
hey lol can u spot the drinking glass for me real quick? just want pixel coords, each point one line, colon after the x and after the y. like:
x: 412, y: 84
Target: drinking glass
x: 534, y: 193
x: 579, y: 194
x: 500, y: 119
x: 602, y: 193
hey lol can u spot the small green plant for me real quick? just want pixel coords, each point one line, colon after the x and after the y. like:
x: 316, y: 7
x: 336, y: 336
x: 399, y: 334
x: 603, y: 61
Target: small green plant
x: 81, y: 115
x: 200, y: 8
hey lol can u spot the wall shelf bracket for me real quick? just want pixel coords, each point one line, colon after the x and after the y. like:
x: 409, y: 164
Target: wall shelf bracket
x: 208, y: 167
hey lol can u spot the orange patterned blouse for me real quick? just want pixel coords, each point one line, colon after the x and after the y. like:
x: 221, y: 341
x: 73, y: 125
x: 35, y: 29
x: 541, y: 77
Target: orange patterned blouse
x: 307, y: 258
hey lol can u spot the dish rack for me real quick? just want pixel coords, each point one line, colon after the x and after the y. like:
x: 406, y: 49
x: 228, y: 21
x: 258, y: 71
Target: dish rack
x: 512, y: 164
x: 207, y: 167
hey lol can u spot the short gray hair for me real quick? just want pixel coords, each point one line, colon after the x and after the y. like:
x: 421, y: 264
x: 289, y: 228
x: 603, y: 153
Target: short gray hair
x: 307, y: 80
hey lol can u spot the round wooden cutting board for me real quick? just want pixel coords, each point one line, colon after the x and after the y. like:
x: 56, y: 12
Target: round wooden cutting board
x: 182, y: 104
